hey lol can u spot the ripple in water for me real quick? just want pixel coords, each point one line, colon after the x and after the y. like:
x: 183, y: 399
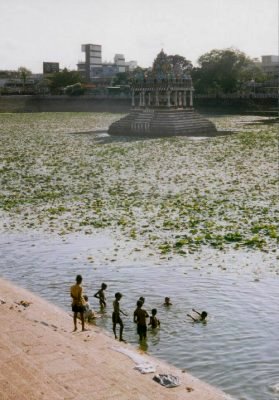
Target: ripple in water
x: 237, y: 350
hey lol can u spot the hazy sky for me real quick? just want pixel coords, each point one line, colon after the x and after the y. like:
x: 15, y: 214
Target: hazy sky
x: 33, y: 31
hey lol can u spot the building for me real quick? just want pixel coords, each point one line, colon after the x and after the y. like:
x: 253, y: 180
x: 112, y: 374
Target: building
x: 91, y: 68
x: 94, y: 70
x: 131, y: 65
x: 119, y: 61
x: 109, y: 70
x: 50, y: 67
x: 270, y: 66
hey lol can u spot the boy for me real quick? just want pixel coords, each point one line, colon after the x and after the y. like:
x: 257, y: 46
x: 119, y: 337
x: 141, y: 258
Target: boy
x: 101, y: 295
x: 140, y: 316
x: 201, y: 316
x: 77, y: 302
x: 142, y: 299
x: 88, y: 313
x: 154, y: 322
x: 116, y: 319
x: 167, y: 302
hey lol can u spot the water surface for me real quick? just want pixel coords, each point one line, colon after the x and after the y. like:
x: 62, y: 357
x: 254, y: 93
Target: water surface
x: 237, y: 350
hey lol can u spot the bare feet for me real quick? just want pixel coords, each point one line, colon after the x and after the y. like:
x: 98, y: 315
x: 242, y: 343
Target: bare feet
x: 75, y: 329
x: 85, y: 330
x: 122, y: 340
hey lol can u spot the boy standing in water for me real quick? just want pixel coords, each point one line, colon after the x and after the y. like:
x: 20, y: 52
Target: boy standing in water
x: 101, y: 295
x: 77, y: 302
x: 154, y: 322
x: 140, y: 316
x: 116, y: 319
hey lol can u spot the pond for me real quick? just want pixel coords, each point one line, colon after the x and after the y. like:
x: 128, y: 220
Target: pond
x: 237, y: 350
x: 195, y: 220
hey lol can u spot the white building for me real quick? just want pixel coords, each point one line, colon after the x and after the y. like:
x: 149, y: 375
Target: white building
x: 131, y: 65
x: 92, y: 67
x: 119, y: 61
x: 270, y: 66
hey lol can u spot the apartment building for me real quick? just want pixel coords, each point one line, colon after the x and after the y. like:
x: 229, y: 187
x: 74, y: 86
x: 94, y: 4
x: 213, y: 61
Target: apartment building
x: 94, y: 70
x: 270, y: 66
x: 91, y: 68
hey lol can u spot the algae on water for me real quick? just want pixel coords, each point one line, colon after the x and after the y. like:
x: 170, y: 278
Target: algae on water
x: 171, y: 195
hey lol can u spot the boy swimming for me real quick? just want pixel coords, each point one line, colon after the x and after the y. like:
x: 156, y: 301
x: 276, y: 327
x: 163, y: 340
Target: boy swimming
x: 201, y: 316
x: 167, y: 302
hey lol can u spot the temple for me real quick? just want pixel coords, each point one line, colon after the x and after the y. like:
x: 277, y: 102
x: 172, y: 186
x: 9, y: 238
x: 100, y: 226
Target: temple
x: 162, y: 103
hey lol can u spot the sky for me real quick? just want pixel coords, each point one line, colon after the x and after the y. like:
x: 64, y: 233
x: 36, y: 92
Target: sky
x: 33, y: 31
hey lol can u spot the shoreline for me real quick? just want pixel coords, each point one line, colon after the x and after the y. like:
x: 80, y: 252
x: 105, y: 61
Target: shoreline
x: 42, y: 358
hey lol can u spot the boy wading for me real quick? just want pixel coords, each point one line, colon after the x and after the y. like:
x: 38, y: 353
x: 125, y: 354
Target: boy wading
x: 140, y: 316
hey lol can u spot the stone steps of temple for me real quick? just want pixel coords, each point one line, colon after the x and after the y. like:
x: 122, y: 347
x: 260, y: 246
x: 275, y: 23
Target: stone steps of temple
x: 166, y: 122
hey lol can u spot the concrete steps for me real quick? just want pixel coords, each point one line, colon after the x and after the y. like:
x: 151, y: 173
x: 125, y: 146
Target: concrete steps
x: 163, y: 122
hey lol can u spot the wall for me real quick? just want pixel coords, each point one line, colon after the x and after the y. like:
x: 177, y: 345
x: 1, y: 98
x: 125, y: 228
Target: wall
x: 122, y: 104
x: 63, y: 104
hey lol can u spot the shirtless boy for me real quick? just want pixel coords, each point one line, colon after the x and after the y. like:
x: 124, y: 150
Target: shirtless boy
x: 201, y: 316
x: 140, y: 316
x: 154, y: 321
x: 116, y: 319
x: 77, y: 302
x: 101, y: 295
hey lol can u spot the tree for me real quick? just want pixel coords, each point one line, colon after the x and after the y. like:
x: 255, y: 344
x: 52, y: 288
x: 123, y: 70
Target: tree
x: 60, y: 80
x: 179, y: 64
x: 24, y: 73
x: 139, y: 73
x: 121, y: 78
x: 170, y: 66
x: 223, y: 71
x: 74, y: 90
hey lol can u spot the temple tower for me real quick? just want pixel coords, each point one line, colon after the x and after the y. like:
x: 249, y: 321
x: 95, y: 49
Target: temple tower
x: 162, y: 104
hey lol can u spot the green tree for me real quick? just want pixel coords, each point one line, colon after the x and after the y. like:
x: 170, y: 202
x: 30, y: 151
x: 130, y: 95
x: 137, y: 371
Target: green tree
x: 24, y: 73
x: 138, y: 73
x: 179, y: 64
x: 170, y: 66
x: 60, y: 80
x: 122, y: 78
x: 74, y: 90
x: 224, y: 71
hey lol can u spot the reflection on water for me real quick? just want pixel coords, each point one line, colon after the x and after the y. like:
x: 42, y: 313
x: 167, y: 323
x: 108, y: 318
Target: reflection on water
x: 237, y: 350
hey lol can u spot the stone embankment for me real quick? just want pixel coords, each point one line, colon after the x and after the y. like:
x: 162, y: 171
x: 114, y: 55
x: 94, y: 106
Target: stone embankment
x: 41, y: 358
x: 119, y: 104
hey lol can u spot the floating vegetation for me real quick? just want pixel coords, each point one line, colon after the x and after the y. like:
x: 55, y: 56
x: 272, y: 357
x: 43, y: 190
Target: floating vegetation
x: 173, y: 195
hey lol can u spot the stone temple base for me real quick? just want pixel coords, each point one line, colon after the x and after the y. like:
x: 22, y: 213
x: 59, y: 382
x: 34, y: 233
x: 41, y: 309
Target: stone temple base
x: 163, y: 122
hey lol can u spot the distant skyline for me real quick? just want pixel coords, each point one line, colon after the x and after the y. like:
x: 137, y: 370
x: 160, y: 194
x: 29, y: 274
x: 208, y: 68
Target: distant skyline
x: 33, y: 31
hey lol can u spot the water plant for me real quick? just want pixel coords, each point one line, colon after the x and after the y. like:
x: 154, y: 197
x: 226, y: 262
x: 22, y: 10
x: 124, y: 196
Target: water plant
x: 173, y: 195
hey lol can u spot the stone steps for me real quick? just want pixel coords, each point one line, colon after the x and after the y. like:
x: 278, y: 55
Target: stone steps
x: 168, y: 122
